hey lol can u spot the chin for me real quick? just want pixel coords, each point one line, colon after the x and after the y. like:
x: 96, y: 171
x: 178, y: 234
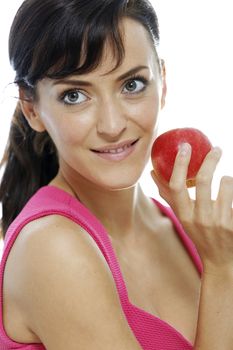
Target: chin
x: 114, y: 183
x: 122, y: 187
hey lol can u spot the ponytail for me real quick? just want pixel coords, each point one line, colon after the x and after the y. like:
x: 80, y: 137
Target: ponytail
x: 30, y: 161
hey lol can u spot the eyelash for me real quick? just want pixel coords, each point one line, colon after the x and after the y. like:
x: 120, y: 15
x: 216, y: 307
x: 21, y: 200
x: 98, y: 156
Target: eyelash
x: 138, y: 78
x: 131, y: 79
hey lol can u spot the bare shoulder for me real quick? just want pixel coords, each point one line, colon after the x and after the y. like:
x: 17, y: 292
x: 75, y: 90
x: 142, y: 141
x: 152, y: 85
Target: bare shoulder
x: 68, y: 290
x: 55, y: 235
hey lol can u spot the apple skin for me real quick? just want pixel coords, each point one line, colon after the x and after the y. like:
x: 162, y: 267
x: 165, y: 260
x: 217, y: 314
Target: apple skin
x: 166, y: 146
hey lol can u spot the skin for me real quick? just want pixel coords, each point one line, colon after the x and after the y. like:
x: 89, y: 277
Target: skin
x: 143, y: 239
x: 209, y: 223
x: 108, y: 115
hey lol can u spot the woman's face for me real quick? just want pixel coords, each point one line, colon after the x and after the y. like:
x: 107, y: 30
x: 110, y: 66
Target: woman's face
x: 103, y: 124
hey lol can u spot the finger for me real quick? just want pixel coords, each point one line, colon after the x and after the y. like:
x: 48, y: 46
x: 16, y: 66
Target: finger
x: 204, y: 178
x: 182, y: 160
x: 177, y: 182
x: 225, y: 198
x: 180, y: 169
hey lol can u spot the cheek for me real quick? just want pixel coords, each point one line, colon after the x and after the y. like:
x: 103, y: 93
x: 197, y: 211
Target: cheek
x: 146, y: 112
x: 70, y: 134
x: 67, y: 129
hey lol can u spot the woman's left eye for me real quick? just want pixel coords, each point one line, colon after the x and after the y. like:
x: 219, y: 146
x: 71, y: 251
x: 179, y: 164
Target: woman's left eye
x: 135, y: 85
x: 73, y: 97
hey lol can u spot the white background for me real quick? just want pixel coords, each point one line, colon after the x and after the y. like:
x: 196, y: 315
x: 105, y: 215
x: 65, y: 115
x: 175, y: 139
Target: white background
x: 196, y: 43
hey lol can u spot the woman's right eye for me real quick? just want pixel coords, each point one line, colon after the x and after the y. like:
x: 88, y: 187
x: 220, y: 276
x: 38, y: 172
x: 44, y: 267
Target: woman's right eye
x: 73, y: 97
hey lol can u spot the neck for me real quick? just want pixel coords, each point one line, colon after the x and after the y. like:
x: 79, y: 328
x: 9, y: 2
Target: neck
x: 121, y: 211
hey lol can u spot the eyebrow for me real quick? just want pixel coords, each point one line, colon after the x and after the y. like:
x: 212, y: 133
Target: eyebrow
x: 86, y: 83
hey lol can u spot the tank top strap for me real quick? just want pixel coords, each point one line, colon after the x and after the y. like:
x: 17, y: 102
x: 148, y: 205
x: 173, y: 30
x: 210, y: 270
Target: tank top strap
x: 51, y: 200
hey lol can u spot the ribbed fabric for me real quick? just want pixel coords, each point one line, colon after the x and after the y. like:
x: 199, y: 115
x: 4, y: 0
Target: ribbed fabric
x: 151, y: 332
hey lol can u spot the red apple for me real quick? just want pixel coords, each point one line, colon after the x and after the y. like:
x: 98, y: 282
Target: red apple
x: 166, y: 146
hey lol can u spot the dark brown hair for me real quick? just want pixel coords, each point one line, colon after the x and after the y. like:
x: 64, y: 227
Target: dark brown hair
x: 56, y: 38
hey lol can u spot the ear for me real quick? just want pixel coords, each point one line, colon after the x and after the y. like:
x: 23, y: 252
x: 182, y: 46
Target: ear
x: 30, y: 112
x: 164, y: 83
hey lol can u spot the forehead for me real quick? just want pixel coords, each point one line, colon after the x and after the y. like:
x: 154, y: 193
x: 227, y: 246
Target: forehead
x: 138, y: 47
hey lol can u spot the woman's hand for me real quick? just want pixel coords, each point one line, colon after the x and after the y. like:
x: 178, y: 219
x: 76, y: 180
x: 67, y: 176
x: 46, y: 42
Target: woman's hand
x: 209, y: 223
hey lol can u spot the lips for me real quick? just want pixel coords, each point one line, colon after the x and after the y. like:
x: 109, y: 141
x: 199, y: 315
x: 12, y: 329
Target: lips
x: 117, y: 148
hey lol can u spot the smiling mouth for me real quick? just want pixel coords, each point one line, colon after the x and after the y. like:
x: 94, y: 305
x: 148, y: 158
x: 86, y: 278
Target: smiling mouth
x: 116, y: 150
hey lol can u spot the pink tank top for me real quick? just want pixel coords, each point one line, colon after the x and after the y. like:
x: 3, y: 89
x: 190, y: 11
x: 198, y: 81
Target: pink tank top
x: 151, y: 332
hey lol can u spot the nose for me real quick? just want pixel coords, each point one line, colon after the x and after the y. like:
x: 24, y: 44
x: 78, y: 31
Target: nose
x: 112, y: 120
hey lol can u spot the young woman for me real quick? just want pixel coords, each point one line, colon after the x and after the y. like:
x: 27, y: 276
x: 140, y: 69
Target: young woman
x: 89, y: 261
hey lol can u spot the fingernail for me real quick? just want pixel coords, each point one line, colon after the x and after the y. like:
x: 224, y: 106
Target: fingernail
x: 184, y: 149
x: 217, y: 150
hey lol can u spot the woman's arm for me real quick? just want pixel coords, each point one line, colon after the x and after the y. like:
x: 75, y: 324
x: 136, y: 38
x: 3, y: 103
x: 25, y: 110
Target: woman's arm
x: 209, y: 224
x: 67, y: 290
x: 215, y: 322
